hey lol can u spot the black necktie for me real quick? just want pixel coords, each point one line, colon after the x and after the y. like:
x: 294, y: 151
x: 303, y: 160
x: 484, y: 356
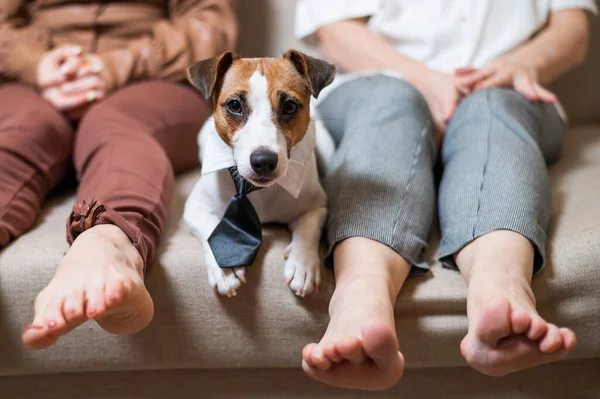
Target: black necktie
x: 236, y: 239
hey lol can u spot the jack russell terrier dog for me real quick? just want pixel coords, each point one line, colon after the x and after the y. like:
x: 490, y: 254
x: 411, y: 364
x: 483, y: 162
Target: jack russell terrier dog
x: 262, y: 142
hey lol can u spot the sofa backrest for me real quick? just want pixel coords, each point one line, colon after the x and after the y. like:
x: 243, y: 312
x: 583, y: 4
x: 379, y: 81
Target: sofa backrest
x: 266, y: 29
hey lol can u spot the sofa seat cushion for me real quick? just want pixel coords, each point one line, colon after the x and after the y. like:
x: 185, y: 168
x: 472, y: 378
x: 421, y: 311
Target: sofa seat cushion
x: 266, y: 326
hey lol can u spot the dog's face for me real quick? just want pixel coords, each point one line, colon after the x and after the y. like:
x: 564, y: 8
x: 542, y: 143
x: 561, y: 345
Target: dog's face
x: 261, y: 106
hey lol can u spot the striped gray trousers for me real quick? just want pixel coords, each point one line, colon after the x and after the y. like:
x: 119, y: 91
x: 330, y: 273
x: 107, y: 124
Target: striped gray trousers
x: 381, y: 182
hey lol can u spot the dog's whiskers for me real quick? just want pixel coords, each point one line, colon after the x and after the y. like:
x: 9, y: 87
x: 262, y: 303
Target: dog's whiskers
x: 294, y: 162
x: 235, y: 175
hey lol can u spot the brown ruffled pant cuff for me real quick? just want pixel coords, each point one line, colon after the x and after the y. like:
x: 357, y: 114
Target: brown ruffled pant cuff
x: 89, y: 214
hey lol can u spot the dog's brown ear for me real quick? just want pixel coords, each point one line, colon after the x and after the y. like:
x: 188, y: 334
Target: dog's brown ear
x: 318, y: 73
x: 205, y: 75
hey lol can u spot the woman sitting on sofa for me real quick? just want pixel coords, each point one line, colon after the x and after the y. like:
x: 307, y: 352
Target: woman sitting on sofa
x: 97, y: 82
x: 463, y: 81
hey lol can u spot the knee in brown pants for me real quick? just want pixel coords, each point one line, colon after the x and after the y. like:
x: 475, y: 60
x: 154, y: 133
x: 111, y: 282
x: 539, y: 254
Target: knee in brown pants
x: 36, y: 143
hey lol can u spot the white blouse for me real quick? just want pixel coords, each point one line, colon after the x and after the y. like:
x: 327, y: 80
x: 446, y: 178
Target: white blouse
x: 442, y: 34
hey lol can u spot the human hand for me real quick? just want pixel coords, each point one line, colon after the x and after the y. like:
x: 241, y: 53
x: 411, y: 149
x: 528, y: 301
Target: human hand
x: 505, y: 71
x: 56, y: 65
x: 442, y: 96
x: 69, y: 80
x: 88, y: 81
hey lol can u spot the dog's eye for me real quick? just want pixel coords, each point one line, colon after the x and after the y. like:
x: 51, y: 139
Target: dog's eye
x: 290, y: 107
x: 234, y: 106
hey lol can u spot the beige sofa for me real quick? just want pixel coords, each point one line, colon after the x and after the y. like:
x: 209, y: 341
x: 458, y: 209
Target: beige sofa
x: 201, y: 346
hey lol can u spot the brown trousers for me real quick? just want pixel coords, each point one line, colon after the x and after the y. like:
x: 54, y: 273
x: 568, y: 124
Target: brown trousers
x: 126, y: 150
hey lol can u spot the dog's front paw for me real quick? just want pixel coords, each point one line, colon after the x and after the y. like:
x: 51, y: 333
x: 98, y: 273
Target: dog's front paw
x: 302, y: 271
x: 225, y: 281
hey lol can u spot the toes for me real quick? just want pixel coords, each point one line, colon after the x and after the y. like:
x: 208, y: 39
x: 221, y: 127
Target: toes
x: 134, y: 311
x: 307, y: 354
x: 227, y: 283
x: 557, y: 339
x: 288, y: 272
x: 301, y: 277
x: 232, y: 282
x: 240, y: 273
x: 73, y: 308
x: 569, y: 339
x: 117, y: 291
x: 311, y: 283
x: 354, y: 370
x: 297, y: 284
x: 494, y: 322
x: 41, y: 303
x: 318, y: 358
x: 511, y: 354
x: 465, y: 346
x: 322, y: 355
x: 37, y: 337
x: 520, y: 321
x: 302, y: 271
x: 33, y: 333
x: 114, y: 293
x: 287, y: 251
x: 332, y: 353
x: 96, y: 303
x: 537, y: 329
x: 351, y: 349
x: 380, y: 342
x: 552, y: 341
x: 308, y: 283
x: 48, y: 323
x: 54, y: 319
x: 518, y: 352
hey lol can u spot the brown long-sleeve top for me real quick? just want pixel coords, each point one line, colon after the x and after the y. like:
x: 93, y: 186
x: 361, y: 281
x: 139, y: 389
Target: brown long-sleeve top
x: 137, y: 39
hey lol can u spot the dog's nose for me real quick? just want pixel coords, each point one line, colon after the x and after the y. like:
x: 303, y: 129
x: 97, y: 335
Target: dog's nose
x: 263, y: 162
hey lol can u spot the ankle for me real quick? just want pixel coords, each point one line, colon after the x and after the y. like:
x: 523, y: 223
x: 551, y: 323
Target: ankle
x: 368, y: 288
x: 107, y: 231
x: 361, y: 257
x: 504, y: 253
x: 498, y: 273
x: 114, y: 236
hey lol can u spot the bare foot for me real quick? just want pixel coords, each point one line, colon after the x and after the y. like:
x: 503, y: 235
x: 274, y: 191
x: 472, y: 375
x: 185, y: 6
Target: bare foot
x: 100, y: 278
x: 506, y: 333
x: 360, y: 348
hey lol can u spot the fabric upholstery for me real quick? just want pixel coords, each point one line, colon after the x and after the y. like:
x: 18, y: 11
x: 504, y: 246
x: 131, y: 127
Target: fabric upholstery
x: 265, y: 326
